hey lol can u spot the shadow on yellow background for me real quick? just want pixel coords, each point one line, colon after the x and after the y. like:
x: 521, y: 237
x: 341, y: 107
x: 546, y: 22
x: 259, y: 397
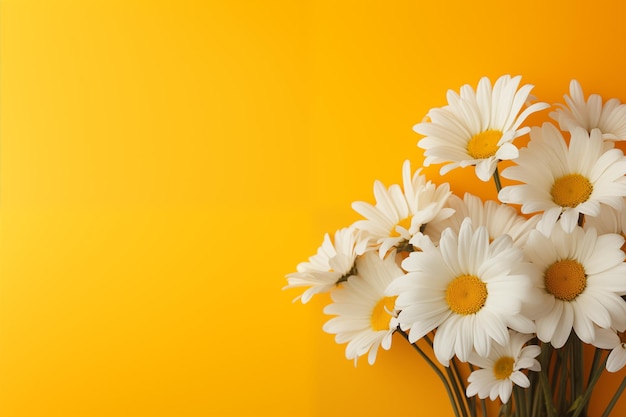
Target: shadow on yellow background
x: 164, y: 164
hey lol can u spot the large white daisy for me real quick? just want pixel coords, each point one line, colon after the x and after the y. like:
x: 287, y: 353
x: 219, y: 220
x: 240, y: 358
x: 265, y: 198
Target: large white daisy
x: 563, y: 181
x: 499, y: 219
x: 467, y: 288
x: 365, y: 314
x: 583, y: 280
x: 609, y: 117
x: 333, y: 263
x: 477, y: 127
x: 503, y: 368
x: 400, y: 212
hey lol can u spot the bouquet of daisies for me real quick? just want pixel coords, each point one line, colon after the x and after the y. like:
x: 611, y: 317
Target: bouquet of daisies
x: 504, y: 302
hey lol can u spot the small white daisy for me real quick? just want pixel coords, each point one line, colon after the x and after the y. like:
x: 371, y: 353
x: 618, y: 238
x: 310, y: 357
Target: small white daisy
x: 503, y: 368
x: 499, y: 219
x: 583, y: 280
x: 610, y: 118
x: 400, y: 214
x: 467, y: 288
x: 365, y: 315
x: 563, y: 181
x: 333, y: 263
x: 477, y: 128
x: 615, y: 341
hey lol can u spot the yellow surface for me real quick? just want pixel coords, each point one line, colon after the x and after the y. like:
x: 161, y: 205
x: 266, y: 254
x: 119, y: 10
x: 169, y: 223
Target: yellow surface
x: 164, y: 164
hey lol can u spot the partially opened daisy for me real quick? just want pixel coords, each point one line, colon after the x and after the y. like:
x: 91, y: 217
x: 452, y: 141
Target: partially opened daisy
x: 478, y: 127
x: 401, y: 212
x: 467, y: 288
x: 615, y: 341
x: 609, y: 117
x: 499, y: 219
x: 563, y: 181
x: 608, y: 221
x: 333, y: 263
x: 365, y: 314
x: 583, y: 280
x: 503, y: 368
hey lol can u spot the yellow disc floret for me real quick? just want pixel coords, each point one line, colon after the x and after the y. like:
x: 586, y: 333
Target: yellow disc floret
x: 571, y: 190
x: 503, y: 368
x: 566, y: 279
x: 484, y: 144
x: 466, y: 294
x: 381, y: 313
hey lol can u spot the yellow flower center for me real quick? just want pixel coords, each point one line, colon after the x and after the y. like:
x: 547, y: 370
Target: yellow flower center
x: 503, y: 368
x: 406, y: 223
x: 466, y: 294
x: 380, y: 313
x: 484, y: 144
x: 571, y: 190
x: 566, y: 279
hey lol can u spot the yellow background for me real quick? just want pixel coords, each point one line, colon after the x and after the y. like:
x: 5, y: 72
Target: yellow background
x: 164, y: 164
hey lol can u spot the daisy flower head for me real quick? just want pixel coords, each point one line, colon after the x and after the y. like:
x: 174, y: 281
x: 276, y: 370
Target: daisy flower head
x: 563, y: 181
x: 366, y: 316
x: 333, y: 264
x: 499, y: 219
x: 582, y: 283
x: 609, y: 117
x: 467, y: 288
x: 478, y: 127
x: 502, y: 368
x: 401, y: 212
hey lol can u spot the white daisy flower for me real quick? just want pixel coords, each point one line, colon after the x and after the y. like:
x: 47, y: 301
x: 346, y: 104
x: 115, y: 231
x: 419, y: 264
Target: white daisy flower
x: 477, y: 128
x: 400, y: 214
x: 333, y: 263
x: 583, y: 280
x: 503, y: 368
x: 365, y: 315
x: 563, y: 181
x: 467, y: 288
x: 610, y: 118
x: 499, y: 219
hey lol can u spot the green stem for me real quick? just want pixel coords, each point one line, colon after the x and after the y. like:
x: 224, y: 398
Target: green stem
x: 618, y: 394
x: 584, y: 401
x: 435, y: 368
x: 547, y: 394
x: 597, y: 357
x: 455, y: 378
x: 456, y: 382
x: 537, y: 400
x: 547, y: 353
x: 505, y: 410
x: 564, y: 356
x: 496, y: 180
x: 520, y: 404
x: 578, y: 366
x: 462, y: 387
